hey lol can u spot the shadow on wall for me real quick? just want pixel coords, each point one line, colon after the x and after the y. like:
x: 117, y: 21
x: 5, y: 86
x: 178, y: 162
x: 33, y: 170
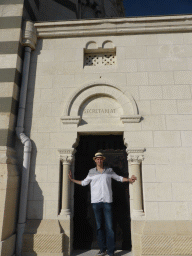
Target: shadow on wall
x: 35, y: 196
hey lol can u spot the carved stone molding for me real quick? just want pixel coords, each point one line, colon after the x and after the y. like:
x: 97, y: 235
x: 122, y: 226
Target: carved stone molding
x: 71, y: 119
x: 29, y: 35
x: 67, y: 155
x: 130, y: 119
x: 102, y: 88
x: 117, y: 26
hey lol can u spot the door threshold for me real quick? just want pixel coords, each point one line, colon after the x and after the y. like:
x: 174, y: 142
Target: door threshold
x: 94, y: 253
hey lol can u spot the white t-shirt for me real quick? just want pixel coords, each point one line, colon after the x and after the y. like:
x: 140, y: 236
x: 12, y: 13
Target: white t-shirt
x: 101, y: 184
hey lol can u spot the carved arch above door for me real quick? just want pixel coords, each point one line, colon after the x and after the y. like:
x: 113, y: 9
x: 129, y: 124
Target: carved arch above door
x: 94, y: 94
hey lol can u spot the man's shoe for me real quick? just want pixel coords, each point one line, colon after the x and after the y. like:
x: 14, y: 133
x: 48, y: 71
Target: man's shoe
x: 101, y: 253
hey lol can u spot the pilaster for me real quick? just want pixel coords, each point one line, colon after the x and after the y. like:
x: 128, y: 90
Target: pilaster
x: 135, y: 157
x: 66, y: 157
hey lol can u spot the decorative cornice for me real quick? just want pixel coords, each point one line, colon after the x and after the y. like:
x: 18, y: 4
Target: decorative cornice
x: 66, y: 155
x: 71, y: 119
x: 29, y: 35
x: 130, y: 119
x: 115, y: 26
x: 135, y: 159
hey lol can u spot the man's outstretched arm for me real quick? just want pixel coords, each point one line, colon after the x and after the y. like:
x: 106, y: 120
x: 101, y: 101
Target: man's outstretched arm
x: 130, y: 180
x: 84, y: 182
x: 123, y: 179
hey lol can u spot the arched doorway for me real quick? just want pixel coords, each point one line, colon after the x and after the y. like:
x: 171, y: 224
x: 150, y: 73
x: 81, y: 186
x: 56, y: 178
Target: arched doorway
x: 84, y: 223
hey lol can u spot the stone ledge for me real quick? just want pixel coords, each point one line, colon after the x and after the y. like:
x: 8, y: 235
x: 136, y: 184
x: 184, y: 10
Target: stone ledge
x: 130, y: 119
x: 115, y: 26
x: 71, y: 119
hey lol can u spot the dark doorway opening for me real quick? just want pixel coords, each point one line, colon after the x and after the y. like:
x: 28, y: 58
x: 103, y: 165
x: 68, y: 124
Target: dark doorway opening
x: 84, y: 222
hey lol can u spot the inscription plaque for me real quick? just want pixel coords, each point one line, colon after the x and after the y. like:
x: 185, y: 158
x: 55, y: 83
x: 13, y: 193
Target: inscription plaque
x: 101, y: 110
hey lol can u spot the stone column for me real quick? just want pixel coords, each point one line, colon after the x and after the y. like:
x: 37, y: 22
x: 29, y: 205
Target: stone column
x: 135, y: 159
x: 66, y: 156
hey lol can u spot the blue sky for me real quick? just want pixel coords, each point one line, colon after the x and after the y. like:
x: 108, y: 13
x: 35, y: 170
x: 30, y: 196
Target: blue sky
x: 157, y: 7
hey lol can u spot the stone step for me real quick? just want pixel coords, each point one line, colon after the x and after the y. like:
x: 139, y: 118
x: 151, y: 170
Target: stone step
x: 94, y: 253
x: 78, y: 253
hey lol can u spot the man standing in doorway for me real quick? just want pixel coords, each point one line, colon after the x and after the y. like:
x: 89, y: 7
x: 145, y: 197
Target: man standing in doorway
x: 101, y: 200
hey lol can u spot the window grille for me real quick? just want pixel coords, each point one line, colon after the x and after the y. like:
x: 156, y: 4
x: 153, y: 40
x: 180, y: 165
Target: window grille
x: 100, y: 59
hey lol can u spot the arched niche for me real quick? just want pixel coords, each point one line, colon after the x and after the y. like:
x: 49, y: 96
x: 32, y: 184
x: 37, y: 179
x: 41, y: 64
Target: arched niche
x: 100, y: 101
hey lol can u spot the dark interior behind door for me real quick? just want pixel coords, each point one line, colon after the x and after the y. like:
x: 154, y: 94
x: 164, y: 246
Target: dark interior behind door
x: 84, y: 223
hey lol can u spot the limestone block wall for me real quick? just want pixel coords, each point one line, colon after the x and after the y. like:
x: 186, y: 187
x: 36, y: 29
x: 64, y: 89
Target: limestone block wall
x: 156, y: 70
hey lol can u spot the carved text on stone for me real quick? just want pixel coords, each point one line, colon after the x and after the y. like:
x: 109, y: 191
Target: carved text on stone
x: 99, y: 111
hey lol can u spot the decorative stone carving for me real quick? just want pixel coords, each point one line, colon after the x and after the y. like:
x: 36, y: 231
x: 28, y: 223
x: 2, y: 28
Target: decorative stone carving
x: 66, y: 155
x: 135, y: 159
x: 67, y: 160
x: 102, y: 59
x: 100, y: 56
x: 29, y: 35
x: 135, y: 155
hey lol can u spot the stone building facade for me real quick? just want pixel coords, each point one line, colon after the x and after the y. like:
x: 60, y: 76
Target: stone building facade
x: 127, y: 76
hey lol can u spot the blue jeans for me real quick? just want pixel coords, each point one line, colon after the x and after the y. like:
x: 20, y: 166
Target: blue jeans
x: 103, y: 213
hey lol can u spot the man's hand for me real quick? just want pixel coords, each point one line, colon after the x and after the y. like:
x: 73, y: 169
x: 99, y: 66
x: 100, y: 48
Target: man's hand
x: 132, y: 179
x: 73, y: 180
x: 70, y: 175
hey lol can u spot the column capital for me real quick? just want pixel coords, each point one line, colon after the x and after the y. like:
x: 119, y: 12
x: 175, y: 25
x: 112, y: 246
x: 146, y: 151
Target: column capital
x: 135, y: 159
x: 66, y: 155
x: 135, y: 155
x: 29, y: 35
